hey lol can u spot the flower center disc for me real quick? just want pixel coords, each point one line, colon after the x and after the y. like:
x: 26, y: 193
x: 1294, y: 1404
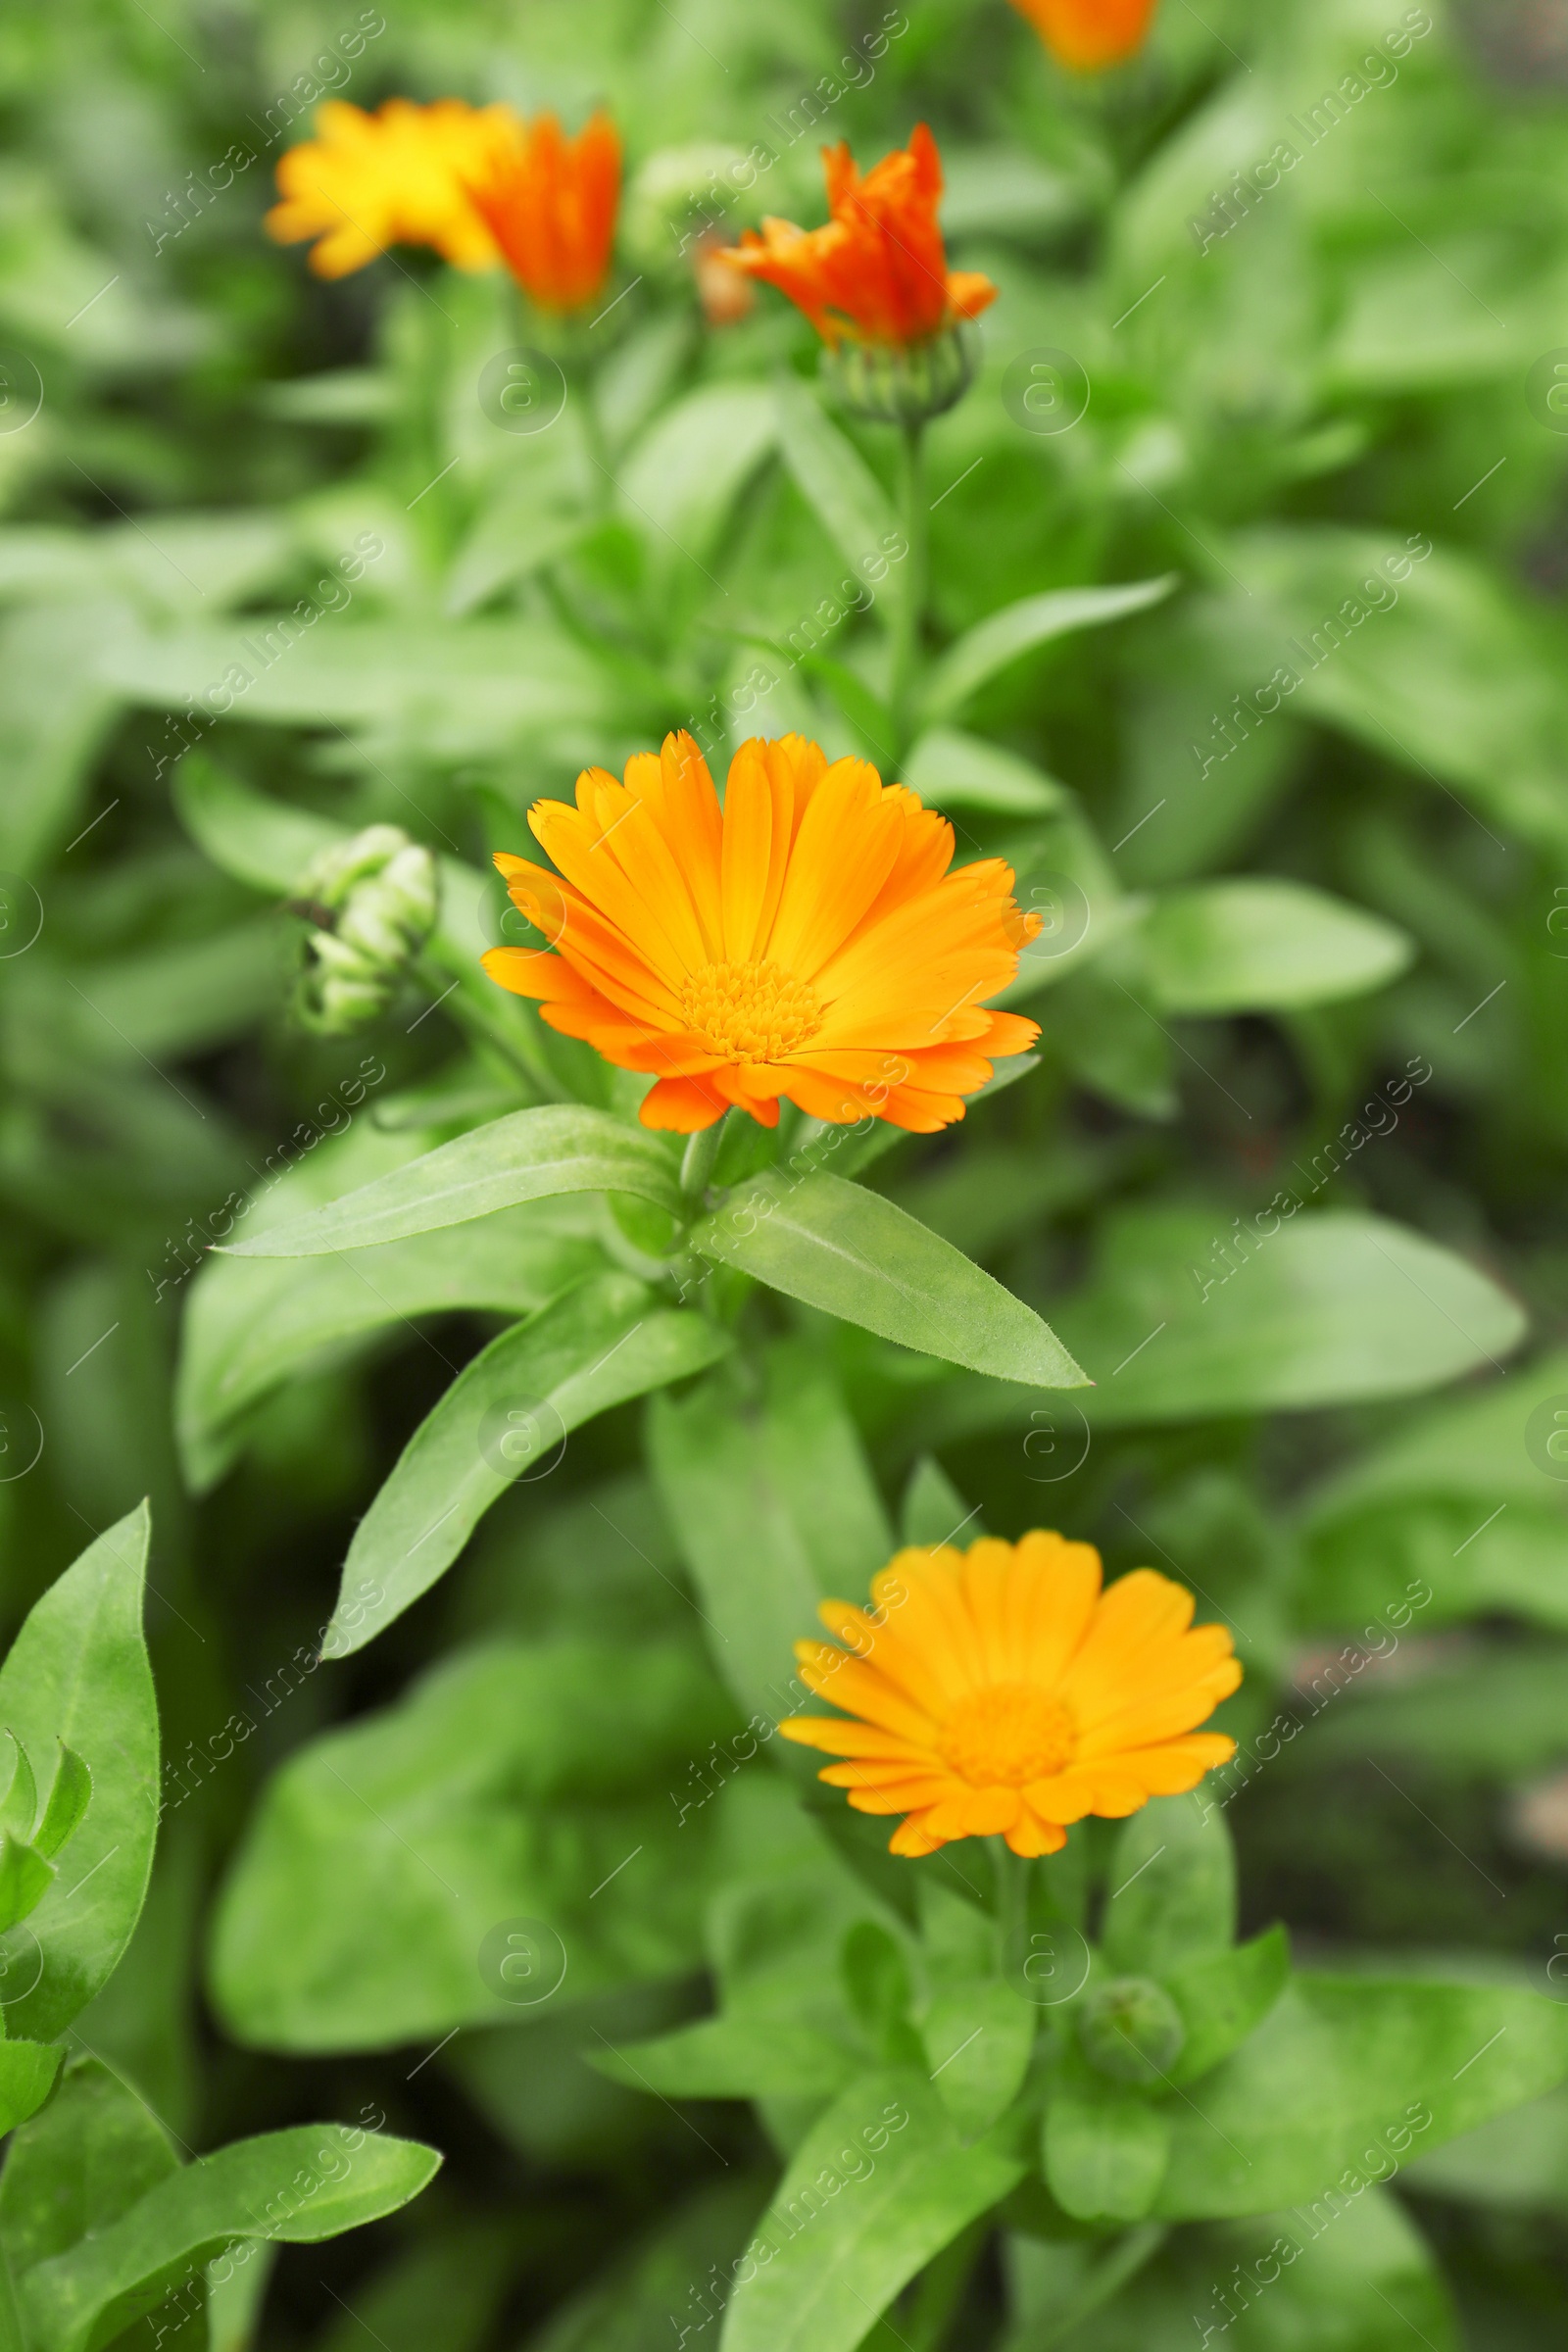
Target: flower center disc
x: 1007, y: 1737
x: 751, y: 1012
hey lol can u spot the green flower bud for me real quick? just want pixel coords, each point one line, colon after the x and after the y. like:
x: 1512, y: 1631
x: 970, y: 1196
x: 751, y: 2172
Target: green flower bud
x: 1131, y: 2029
x: 371, y: 904
x: 903, y: 383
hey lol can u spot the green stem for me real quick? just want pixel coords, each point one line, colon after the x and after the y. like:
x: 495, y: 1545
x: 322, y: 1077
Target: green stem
x: 910, y: 608
x: 697, y: 1168
x: 508, y: 1039
x: 1012, y: 1905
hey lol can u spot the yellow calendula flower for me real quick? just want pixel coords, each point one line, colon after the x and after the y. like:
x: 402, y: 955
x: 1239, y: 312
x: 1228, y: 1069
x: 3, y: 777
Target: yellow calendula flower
x: 1002, y: 1692
x: 400, y: 177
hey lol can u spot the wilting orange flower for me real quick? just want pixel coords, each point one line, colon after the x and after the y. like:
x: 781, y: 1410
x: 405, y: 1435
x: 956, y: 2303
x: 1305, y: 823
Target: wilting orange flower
x: 805, y: 940
x: 1090, y: 33
x: 1001, y: 1690
x: 878, y: 272
x: 550, y: 204
x: 394, y: 177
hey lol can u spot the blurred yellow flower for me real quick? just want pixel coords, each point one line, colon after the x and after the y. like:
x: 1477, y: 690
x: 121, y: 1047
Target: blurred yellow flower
x: 1001, y: 1690
x: 399, y: 176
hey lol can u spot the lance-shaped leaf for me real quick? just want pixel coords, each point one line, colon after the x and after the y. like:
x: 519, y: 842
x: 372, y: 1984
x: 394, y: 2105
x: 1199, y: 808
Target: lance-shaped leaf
x: 78, y: 1673
x: 298, y: 2186
x: 77, y: 2167
x: 736, y: 2057
x: 837, y: 1247
x: 69, y: 1798
x: 1253, y: 944
x: 1368, y: 2073
x: 507, y: 1417
x: 528, y: 1155
x: 1034, y: 620
x: 27, y: 2071
x: 878, y: 2186
x: 774, y: 1508
x: 834, y: 479
x: 248, y: 1328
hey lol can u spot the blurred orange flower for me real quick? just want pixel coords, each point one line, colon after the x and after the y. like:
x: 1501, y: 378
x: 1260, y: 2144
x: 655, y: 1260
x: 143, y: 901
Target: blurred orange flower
x: 394, y: 177
x: 550, y: 204
x: 1088, y: 35
x: 806, y: 939
x: 1000, y: 1692
x: 878, y: 272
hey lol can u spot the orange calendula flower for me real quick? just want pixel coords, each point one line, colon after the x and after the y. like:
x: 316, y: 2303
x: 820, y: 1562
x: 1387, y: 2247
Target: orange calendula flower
x: 804, y: 940
x: 878, y: 272
x: 395, y: 177
x: 1088, y: 35
x: 550, y: 204
x: 1001, y: 1690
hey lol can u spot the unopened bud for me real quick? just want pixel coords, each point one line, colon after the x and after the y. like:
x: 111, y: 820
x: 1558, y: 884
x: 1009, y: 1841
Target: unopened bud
x: 903, y: 383
x: 1131, y: 2029
x: 371, y: 904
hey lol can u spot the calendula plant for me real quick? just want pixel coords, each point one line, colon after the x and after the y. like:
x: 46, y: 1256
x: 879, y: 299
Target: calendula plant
x: 778, y: 973
x: 107, y: 2219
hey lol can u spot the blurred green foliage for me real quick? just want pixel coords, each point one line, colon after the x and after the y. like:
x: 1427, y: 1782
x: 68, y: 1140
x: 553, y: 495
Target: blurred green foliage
x: 1286, y: 1176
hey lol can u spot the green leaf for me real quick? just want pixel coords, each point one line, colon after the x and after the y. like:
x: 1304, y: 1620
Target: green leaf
x: 1368, y: 2073
x: 20, y: 1809
x: 952, y: 770
x: 69, y: 1799
x: 837, y: 1247
x: 774, y: 1509
x: 1221, y: 1999
x: 1034, y: 620
x: 1454, y: 1514
x: 1106, y: 2147
x: 978, y: 2037
x: 1171, y: 1888
x: 1321, y: 1310
x: 877, y: 2187
x: 78, y: 1673
x: 934, y: 1511
x: 506, y: 1417
x: 687, y: 470
x: 300, y: 2186
x: 833, y: 479
x: 80, y: 2165
x: 1461, y: 681
x: 1518, y: 2159
x: 260, y: 841
x: 27, y: 2071
x: 250, y: 1326
x: 529, y: 1155
x: 1276, y: 2284
x: 740, y: 2057
x: 461, y: 689
x: 25, y: 1878
x: 1258, y: 945
x: 668, y: 2287
x: 518, y: 1783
